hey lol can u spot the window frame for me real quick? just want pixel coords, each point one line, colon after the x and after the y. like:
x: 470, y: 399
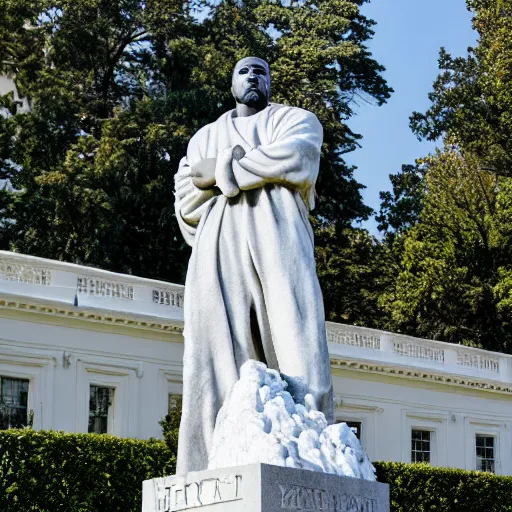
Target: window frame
x: 436, y: 424
x: 124, y: 414
x: 494, y: 450
x: 348, y: 422
x: 431, y: 443
x: 478, y: 426
x: 347, y: 408
x: 39, y: 370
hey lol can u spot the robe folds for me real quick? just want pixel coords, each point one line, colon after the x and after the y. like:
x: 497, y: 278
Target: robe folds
x: 251, y: 290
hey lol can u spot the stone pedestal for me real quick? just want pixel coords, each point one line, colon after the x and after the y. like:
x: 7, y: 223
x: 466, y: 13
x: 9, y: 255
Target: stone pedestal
x: 263, y: 488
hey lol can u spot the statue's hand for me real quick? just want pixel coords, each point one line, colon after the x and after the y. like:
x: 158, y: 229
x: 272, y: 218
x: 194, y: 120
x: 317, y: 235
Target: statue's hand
x: 238, y: 152
x: 203, y: 173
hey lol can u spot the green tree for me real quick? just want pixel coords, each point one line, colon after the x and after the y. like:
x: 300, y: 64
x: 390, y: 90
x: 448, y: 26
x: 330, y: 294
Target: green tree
x: 400, y: 208
x: 472, y: 97
x: 117, y: 89
x: 350, y: 273
x: 452, y: 280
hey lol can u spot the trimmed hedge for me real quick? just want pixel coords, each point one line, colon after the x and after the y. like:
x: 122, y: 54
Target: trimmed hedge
x: 49, y: 471
x: 423, y: 488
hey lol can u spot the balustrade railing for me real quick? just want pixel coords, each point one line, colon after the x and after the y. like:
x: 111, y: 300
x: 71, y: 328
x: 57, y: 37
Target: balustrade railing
x: 80, y: 286
x: 400, y: 349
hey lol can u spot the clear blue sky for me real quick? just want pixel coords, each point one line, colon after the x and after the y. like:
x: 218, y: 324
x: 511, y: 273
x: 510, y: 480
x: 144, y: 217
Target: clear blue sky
x: 408, y: 36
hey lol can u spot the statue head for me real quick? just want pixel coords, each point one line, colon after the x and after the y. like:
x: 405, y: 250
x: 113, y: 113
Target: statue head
x: 251, y: 82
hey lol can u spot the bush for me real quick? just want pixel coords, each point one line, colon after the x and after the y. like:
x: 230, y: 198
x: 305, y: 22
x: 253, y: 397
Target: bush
x: 171, y: 425
x: 49, y: 471
x: 423, y: 488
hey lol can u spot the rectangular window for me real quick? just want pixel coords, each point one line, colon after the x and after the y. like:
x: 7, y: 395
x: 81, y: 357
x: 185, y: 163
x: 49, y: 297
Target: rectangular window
x: 101, y: 400
x: 13, y: 402
x: 420, y: 445
x: 485, y: 460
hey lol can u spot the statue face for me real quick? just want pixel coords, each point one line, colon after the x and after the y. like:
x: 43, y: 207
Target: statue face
x: 251, y: 82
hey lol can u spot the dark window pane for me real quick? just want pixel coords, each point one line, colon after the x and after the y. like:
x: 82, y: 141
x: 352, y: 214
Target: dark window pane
x: 355, y: 426
x: 420, y: 446
x: 174, y: 401
x: 13, y: 402
x: 485, y: 460
x: 100, y: 400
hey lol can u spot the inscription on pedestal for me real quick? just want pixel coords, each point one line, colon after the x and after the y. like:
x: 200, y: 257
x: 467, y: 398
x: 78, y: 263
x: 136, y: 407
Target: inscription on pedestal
x: 305, y: 499
x: 263, y: 488
x: 175, y: 495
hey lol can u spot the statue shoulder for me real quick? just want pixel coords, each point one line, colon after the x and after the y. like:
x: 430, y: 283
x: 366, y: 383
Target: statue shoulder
x: 295, y: 115
x: 204, y: 132
x: 287, y: 110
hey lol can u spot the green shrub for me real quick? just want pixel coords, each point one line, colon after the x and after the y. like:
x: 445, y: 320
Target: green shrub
x: 171, y: 425
x: 423, y: 488
x: 49, y: 471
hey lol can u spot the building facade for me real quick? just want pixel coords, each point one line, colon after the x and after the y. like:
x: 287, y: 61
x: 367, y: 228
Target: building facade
x: 86, y: 350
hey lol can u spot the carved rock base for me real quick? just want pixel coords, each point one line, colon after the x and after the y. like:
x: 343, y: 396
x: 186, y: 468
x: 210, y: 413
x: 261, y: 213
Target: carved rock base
x: 263, y: 488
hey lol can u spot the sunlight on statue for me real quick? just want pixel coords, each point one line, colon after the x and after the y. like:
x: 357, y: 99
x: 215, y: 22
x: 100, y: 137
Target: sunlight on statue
x: 243, y: 195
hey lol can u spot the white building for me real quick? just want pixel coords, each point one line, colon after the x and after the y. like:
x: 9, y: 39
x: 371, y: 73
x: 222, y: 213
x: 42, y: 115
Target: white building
x: 83, y: 350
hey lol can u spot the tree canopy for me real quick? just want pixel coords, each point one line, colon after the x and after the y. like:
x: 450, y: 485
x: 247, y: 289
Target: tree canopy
x: 118, y: 88
x: 445, y: 256
x: 472, y: 97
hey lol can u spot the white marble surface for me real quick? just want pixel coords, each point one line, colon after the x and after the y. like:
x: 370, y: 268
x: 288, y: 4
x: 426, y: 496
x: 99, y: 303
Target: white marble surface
x: 260, y: 422
x: 250, y: 244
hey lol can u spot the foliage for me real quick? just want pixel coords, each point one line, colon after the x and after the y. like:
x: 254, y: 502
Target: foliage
x: 453, y: 264
x: 423, y: 488
x: 472, y: 97
x: 118, y: 88
x: 349, y: 269
x: 51, y: 471
x: 171, y: 425
x: 447, y: 221
x: 401, y: 208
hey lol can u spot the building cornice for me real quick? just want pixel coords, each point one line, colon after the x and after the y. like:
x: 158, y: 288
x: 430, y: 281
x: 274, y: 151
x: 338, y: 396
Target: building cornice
x: 95, y: 315
x: 421, y: 375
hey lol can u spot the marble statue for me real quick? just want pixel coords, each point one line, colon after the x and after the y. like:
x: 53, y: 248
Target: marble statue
x: 243, y: 194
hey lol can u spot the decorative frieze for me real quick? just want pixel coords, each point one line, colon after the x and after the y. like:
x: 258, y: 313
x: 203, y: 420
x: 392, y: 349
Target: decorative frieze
x: 477, y: 361
x: 345, y: 336
x: 103, y: 288
x: 168, y: 297
x: 20, y: 273
x: 417, y: 351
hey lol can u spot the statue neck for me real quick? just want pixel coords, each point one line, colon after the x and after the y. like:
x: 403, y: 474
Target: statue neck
x: 246, y: 111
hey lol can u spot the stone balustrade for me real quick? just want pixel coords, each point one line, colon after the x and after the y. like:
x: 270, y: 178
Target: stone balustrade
x: 31, y: 280
x: 85, y: 287
x: 401, y: 350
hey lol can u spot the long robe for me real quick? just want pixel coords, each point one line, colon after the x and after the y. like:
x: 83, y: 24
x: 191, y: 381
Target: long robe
x: 251, y: 291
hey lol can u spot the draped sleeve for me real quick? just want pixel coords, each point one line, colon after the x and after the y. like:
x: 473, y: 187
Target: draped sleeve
x: 191, y: 202
x: 291, y: 158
